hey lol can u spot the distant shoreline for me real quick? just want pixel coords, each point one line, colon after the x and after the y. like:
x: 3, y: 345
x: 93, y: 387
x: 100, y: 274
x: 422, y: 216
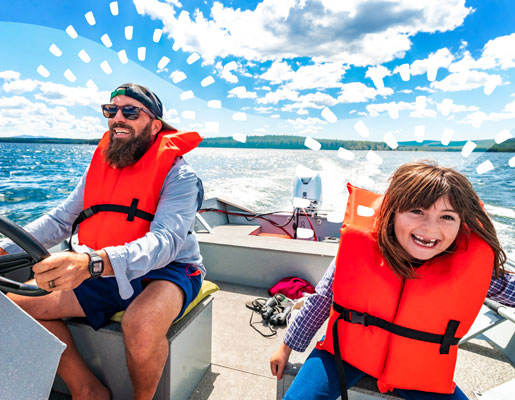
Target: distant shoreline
x: 297, y: 143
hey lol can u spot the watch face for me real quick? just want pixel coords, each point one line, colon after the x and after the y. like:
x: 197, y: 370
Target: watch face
x: 97, y: 267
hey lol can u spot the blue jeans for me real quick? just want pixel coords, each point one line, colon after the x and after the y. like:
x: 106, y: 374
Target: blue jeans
x: 318, y: 379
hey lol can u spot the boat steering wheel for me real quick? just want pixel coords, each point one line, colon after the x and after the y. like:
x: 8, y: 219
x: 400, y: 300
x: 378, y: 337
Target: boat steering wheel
x: 35, y: 252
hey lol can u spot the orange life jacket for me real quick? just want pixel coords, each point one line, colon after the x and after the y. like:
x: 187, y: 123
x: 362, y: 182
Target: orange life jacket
x: 119, y: 203
x: 370, y: 302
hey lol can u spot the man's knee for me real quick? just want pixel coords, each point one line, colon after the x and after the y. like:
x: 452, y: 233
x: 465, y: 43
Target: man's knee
x: 140, y: 337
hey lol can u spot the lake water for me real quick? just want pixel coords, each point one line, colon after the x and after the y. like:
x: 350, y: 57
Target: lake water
x: 34, y: 178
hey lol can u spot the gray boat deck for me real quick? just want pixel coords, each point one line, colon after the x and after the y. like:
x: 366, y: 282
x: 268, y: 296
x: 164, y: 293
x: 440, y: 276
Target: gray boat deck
x: 240, y: 359
x: 240, y: 356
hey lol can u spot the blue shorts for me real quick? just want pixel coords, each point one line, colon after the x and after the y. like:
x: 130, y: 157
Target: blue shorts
x: 100, y: 298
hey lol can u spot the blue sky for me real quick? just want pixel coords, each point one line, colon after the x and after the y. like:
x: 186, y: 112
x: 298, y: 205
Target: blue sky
x: 353, y: 70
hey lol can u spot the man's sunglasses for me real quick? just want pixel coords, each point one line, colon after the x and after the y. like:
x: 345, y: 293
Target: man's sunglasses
x: 129, y: 112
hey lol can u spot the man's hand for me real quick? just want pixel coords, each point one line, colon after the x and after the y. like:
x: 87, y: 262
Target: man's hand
x: 62, y: 271
x: 279, y: 360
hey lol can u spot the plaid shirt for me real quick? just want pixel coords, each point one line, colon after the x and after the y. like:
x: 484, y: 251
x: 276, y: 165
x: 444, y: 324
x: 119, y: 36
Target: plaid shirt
x: 317, y: 306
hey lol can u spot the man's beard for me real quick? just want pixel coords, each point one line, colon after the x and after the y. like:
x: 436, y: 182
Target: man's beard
x: 122, y: 153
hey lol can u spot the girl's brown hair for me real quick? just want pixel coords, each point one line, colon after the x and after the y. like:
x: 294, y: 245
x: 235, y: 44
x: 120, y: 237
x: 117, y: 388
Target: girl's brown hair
x: 418, y: 185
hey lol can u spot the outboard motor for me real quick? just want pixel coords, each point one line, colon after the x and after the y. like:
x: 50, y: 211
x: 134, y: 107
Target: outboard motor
x: 307, y: 186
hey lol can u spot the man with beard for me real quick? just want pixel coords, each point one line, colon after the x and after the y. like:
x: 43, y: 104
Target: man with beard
x: 135, y: 208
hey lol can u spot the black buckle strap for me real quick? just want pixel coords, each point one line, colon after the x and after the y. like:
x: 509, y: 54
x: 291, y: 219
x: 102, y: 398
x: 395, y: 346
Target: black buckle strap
x: 88, y: 212
x: 338, y: 358
x: 448, y: 338
x: 445, y: 341
x: 354, y: 317
x: 132, y: 211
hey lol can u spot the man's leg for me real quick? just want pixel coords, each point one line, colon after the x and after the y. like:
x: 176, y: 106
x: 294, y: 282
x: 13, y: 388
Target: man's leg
x: 49, y: 310
x: 145, y: 324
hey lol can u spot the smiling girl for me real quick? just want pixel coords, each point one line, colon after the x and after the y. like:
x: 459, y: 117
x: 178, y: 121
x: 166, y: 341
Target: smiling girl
x: 402, y: 291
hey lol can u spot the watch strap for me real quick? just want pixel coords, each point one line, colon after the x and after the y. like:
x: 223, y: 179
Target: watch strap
x: 96, y: 265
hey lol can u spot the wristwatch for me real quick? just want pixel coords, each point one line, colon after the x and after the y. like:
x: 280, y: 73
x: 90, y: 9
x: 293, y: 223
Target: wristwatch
x: 96, y: 265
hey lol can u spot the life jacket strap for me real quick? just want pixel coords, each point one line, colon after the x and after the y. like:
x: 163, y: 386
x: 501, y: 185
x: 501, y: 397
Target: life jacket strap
x: 446, y: 340
x: 354, y: 317
x: 338, y: 359
x: 132, y: 211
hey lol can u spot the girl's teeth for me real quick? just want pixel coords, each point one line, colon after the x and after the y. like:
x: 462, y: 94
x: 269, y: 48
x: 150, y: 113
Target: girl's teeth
x: 425, y: 243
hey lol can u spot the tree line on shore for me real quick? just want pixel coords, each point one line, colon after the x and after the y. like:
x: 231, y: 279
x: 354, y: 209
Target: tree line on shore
x: 297, y: 143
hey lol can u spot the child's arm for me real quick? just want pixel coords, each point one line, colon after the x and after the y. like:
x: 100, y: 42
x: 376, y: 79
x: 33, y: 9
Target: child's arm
x: 313, y: 313
x: 502, y: 290
x: 279, y: 360
x: 306, y: 324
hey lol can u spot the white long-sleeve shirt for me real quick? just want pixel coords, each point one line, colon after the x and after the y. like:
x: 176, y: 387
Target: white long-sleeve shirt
x: 168, y: 239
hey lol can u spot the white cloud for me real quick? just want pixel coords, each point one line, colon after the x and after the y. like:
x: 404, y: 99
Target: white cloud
x: 20, y: 86
x: 278, y: 72
x: 510, y: 108
x: 466, y: 63
x: 241, y: 93
x: 13, y: 102
x: 499, y: 52
x: 54, y: 93
x: 264, y: 110
x: 307, y: 125
x: 314, y: 76
x: 279, y: 95
x: 425, y: 89
x: 377, y: 74
x: 354, y: 92
x: 58, y: 94
x: 22, y: 116
x: 178, y: 76
x: 363, y: 32
x: 318, y: 76
x: 357, y: 92
x: 465, y: 80
x: 171, y: 116
x: 225, y: 72
x: 307, y: 121
x: 171, y: 113
x: 447, y: 107
x: 478, y: 117
x: 440, y: 59
x: 375, y: 109
x: 423, y: 113
x: 212, y: 127
x: 311, y: 100
x: 9, y: 75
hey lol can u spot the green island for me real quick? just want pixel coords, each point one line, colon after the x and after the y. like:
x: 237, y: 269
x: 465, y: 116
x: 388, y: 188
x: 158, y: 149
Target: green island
x: 297, y: 143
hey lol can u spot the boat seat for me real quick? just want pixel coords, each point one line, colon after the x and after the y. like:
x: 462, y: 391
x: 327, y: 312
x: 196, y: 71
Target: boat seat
x: 189, y: 357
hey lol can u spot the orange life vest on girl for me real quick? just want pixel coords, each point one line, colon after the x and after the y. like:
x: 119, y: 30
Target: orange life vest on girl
x: 440, y: 304
x: 135, y: 188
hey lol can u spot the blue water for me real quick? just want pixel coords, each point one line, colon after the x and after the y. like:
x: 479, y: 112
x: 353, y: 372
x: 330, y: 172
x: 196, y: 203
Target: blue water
x: 35, y: 178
